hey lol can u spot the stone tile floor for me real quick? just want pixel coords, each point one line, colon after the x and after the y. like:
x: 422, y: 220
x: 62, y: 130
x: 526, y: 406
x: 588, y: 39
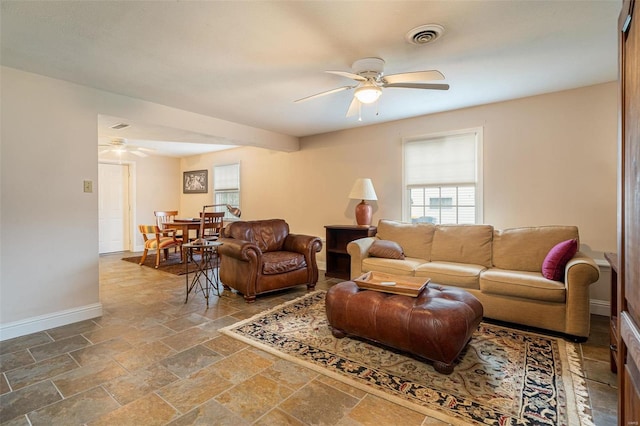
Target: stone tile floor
x: 151, y: 359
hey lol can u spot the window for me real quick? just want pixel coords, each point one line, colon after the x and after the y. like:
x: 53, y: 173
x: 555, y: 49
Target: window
x: 226, y: 187
x: 442, y: 178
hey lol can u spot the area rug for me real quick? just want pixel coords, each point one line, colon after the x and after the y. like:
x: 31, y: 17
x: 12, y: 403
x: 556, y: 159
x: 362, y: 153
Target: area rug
x: 172, y: 265
x: 504, y: 376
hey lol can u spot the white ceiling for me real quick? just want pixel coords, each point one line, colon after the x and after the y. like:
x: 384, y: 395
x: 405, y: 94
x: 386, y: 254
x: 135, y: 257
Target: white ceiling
x: 247, y: 61
x: 158, y: 139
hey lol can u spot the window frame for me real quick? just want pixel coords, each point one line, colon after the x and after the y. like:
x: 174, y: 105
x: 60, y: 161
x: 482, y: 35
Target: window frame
x: 479, y: 183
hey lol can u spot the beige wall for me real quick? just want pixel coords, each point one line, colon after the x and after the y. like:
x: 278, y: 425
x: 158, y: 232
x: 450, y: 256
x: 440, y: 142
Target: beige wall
x: 158, y: 182
x: 49, y: 225
x: 548, y: 159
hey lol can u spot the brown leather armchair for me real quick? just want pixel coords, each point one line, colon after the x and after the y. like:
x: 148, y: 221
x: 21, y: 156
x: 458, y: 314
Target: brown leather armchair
x: 261, y: 256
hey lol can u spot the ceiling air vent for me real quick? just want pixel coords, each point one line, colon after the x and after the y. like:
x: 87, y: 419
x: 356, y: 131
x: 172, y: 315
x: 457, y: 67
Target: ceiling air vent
x: 425, y: 34
x: 120, y: 126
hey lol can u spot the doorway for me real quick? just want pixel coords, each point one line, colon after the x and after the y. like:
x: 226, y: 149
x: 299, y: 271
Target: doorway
x: 114, y: 207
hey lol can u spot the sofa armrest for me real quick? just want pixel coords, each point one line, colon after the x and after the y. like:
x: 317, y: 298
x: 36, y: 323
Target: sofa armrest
x: 308, y: 246
x: 302, y: 244
x: 359, y: 250
x: 239, y: 249
x: 581, y: 271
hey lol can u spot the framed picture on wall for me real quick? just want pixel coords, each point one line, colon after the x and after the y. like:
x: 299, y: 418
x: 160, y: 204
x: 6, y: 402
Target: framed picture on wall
x: 195, y: 182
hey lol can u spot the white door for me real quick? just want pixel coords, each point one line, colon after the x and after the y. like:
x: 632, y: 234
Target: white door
x: 113, y: 208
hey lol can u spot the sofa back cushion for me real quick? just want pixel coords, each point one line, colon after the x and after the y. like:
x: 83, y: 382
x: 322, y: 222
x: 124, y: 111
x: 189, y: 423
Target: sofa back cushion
x: 463, y: 244
x: 524, y: 249
x: 268, y: 235
x: 414, y: 238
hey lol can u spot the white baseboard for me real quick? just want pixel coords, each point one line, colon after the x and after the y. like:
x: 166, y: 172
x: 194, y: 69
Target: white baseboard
x: 45, y: 322
x: 600, y: 307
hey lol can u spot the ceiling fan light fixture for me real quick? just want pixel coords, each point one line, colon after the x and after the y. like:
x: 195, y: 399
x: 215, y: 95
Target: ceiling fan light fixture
x: 368, y: 94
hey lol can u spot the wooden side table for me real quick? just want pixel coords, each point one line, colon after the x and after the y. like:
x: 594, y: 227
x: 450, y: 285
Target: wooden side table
x: 614, y: 335
x: 338, y: 236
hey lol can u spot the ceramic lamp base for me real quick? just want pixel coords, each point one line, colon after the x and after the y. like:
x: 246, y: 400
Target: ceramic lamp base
x: 364, y: 213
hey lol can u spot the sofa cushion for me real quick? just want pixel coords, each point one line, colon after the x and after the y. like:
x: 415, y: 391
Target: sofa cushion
x: 524, y: 249
x: 414, y: 238
x: 522, y: 284
x: 279, y: 262
x: 391, y: 266
x: 387, y: 249
x: 461, y: 275
x: 462, y: 244
x: 557, y: 258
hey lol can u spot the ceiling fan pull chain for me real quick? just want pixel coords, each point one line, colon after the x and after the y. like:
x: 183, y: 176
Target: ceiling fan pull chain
x: 359, y: 111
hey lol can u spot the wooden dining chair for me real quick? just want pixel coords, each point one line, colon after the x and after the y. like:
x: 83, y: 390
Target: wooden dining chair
x: 163, y: 217
x: 211, y: 224
x: 154, y: 239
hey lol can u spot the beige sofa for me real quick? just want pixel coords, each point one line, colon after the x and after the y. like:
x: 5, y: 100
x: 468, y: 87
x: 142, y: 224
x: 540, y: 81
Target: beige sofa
x: 502, y: 268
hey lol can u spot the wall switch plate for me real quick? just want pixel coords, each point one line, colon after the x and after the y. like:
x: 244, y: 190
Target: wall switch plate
x: 88, y: 186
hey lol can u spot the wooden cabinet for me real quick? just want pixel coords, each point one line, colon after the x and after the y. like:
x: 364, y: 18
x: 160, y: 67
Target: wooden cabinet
x: 628, y: 297
x: 338, y: 236
x: 614, y: 335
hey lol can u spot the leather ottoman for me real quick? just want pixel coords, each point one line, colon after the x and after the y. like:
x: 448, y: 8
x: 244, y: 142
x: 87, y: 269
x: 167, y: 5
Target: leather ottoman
x: 435, y: 325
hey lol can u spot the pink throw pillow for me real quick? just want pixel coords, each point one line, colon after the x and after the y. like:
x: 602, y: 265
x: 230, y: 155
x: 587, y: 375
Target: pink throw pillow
x: 557, y: 258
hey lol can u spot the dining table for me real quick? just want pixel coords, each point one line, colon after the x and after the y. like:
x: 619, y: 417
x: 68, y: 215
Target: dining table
x: 185, y: 225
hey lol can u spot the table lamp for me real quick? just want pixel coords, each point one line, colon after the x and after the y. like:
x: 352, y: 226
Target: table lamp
x: 363, y: 190
x: 233, y: 210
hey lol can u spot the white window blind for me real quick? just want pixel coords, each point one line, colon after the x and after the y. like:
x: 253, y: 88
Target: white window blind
x: 442, y: 178
x: 449, y: 159
x: 226, y: 187
x: 226, y: 177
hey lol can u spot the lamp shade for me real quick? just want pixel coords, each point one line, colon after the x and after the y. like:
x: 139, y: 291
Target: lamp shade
x: 368, y: 94
x: 363, y: 190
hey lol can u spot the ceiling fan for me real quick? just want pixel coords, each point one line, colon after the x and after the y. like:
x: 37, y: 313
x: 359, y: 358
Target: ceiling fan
x: 369, y: 74
x: 120, y: 146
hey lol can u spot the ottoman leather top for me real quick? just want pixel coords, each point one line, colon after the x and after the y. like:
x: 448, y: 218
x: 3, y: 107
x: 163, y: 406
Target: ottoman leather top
x: 436, y: 325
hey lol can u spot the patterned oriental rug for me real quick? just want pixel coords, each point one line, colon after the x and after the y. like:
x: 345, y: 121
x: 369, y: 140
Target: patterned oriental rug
x: 505, y: 376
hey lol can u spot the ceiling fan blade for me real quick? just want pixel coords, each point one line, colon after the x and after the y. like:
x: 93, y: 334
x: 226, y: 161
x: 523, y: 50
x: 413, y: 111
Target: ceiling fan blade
x: 418, y: 86
x: 409, y: 77
x: 353, y: 107
x: 350, y: 75
x: 328, y: 92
